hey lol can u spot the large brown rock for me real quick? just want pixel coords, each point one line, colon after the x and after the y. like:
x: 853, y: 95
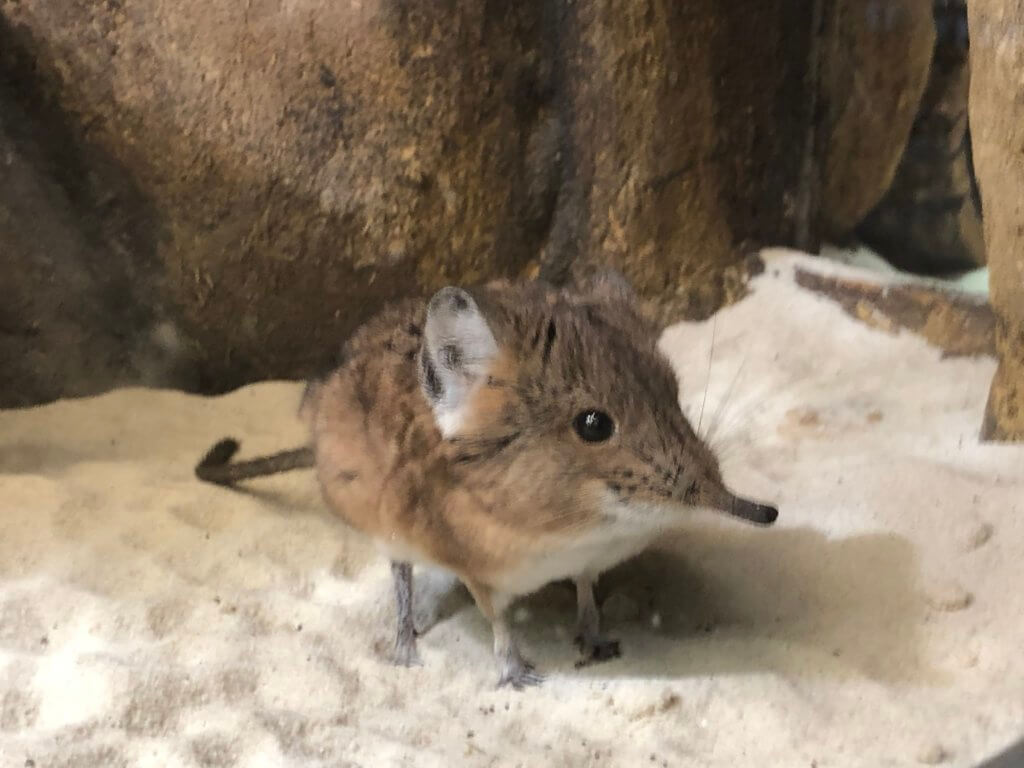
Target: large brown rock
x: 930, y: 219
x: 876, y: 60
x: 80, y: 312
x: 308, y: 160
x: 997, y: 125
x: 284, y: 167
x: 687, y: 125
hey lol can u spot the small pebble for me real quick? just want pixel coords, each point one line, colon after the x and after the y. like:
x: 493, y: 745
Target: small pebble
x: 810, y: 418
x: 968, y: 658
x: 669, y: 700
x: 950, y: 598
x: 804, y: 417
x: 933, y: 754
x: 978, y: 536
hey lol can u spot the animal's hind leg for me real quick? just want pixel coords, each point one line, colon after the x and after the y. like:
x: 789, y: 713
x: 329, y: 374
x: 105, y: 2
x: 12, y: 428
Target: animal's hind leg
x: 515, y: 670
x: 406, y: 654
x: 592, y: 644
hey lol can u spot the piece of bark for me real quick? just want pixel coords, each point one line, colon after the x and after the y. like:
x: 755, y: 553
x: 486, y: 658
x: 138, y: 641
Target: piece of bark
x: 959, y: 325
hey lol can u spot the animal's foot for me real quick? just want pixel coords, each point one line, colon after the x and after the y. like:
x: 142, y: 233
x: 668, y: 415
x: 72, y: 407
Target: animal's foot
x: 519, y: 674
x: 596, y: 650
x: 406, y: 654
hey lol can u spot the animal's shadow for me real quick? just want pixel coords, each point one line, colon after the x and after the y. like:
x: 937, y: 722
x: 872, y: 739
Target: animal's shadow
x: 719, y: 599
x: 37, y: 457
x: 735, y: 600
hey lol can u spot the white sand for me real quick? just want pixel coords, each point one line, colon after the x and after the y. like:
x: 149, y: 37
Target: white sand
x: 147, y: 619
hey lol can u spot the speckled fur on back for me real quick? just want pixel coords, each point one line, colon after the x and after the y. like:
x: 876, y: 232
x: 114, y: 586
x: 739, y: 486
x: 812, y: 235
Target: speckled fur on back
x: 450, y: 435
x: 513, y: 478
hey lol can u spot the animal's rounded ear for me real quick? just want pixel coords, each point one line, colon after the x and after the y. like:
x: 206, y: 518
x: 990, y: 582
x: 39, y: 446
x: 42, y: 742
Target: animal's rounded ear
x: 456, y: 332
x: 605, y: 284
x: 458, y: 348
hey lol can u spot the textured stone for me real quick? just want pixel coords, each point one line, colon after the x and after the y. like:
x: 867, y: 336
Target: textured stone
x: 248, y: 181
x: 1004, y: 411
x: 878, y: 55
x: 306, y: 161
x: 930, y: 219
x: 687, y: 128
x: 997, y: 125
x: 959, y: 325
x: 80, y: 311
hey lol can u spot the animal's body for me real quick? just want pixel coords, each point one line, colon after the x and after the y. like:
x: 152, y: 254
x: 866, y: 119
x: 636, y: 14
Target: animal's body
x: 515, y: 435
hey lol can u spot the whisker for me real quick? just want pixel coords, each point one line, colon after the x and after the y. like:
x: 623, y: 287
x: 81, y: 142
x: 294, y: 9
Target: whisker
x: 756, y: 401
x: 716, y: 419
x: 737, y: 427
x: 707, y: 380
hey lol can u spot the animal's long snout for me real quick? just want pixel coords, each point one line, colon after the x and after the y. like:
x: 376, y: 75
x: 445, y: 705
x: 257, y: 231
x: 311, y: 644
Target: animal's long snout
x: 711, y: 493
x: 746, y: 509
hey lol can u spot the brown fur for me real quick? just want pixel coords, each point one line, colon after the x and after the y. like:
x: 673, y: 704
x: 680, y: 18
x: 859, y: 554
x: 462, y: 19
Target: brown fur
x: 514, y: 485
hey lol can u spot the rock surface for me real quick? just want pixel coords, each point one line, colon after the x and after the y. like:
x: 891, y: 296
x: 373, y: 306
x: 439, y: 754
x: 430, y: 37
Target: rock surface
x: 997, y: 120
x: 263, y: 175
x: 930, y: 219
x: 878, y: 56
x: 80, y: 310
x: 686, y: 126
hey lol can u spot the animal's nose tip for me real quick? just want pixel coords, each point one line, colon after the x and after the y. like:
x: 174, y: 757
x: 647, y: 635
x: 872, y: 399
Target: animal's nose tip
x: 766, y: 514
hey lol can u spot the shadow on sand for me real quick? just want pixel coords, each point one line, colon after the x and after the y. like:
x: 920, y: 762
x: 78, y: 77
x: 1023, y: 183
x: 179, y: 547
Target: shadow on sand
x: 728, y: 601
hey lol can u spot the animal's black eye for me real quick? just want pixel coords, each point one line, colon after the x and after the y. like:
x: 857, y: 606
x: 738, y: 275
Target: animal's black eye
x: 593, y: 426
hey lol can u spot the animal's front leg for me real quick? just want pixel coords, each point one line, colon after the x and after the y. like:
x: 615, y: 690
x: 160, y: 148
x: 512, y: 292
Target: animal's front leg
x: 515, y: 670
x: 592, y: 644
x: 405, y: 654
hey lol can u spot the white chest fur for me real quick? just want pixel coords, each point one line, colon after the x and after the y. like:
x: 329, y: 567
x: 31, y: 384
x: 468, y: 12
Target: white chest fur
x: 590, y: 553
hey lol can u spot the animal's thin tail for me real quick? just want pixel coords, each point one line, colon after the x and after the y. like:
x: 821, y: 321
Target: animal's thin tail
x: 216, y: 467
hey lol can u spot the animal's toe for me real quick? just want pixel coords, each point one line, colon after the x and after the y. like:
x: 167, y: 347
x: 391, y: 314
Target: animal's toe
x: 520, y: 676
x: 599, y: 650
x: 406, y: 656
x: 607, y: 649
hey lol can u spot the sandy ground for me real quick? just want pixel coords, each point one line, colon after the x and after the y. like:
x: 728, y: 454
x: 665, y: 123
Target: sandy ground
x: 147, y: 619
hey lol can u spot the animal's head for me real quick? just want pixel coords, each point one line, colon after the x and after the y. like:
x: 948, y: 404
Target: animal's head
x: 561, y: 402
